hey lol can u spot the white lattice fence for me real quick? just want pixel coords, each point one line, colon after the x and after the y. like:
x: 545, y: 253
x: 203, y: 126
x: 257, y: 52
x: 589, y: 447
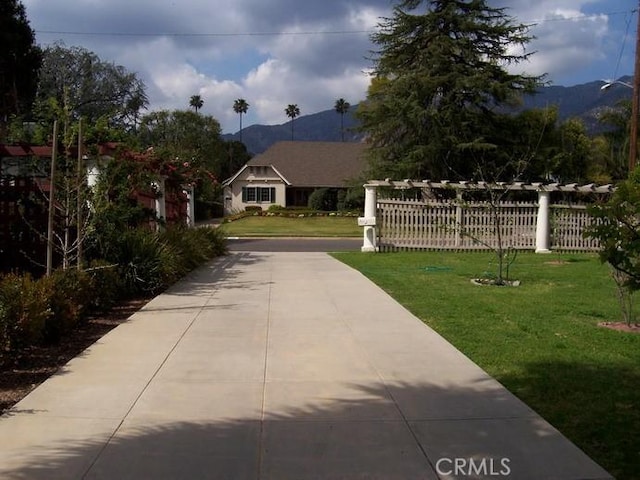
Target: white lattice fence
x: 514, y: 223
x: 568, y: 223
x: 420, y: 225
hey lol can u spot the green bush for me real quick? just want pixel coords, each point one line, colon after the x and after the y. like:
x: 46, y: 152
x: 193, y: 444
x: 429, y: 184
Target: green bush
x: 69, y: 295
x: 140, y: 261
x: 195, y: 246
x: 214, y: 238
x: 351, y: 199
x: 107, y: 284
x: 146, y: 264
x: 324, y: 199
x: 149, y: 262
x: 253, y: 208
x: 25, y: 311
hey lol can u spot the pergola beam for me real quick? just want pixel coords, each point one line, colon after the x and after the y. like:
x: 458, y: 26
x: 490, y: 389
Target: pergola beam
x: 514, y: 186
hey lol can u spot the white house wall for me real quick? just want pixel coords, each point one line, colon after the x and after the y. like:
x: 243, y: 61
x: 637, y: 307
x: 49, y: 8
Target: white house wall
x: 253, y: 176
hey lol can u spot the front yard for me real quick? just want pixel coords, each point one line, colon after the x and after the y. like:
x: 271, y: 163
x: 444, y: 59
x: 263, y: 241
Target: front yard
x: 541, y: 339
x: 293, y: 226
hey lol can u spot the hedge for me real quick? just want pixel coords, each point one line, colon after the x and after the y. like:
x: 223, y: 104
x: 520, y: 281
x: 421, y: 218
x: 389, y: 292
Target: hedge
x: 36, y: 311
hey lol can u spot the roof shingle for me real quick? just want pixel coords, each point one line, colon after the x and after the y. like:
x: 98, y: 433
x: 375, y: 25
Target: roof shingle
x: 315, y: 164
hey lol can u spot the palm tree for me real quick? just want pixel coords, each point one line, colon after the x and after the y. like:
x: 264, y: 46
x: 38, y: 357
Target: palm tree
x: 292, y: 112
x: 240, y: 106
x: 342, y: 107
x: 196, y: 102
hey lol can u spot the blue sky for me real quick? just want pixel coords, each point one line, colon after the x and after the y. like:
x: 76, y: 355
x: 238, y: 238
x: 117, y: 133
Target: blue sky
x: 305, y: 52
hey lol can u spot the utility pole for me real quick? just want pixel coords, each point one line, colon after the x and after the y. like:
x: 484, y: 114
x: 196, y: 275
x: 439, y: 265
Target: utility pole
x: 633, y: 140
x: 80, y: 180
x: 54, y: 153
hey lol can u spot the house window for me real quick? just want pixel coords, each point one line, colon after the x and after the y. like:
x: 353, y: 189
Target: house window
x: 258, y: 195
x: 249, y: 194
x: 265, y: 195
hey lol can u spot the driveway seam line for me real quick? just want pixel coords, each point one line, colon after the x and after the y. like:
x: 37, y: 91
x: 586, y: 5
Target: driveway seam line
x: 144, y: 389
x: 264, y: 379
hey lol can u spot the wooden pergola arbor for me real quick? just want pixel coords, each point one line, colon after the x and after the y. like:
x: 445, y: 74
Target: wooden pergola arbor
x: 543, y: 190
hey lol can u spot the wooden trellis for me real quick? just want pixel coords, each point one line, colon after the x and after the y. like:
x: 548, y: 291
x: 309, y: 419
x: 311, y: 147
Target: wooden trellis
x: 425, y: 223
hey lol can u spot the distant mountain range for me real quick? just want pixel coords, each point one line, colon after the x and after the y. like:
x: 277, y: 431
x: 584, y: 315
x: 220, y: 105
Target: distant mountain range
x: 585, y: 101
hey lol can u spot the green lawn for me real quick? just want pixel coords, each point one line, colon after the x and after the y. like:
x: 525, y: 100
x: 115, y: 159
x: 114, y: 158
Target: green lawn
x: 541, y: 339
x: 275, y: 226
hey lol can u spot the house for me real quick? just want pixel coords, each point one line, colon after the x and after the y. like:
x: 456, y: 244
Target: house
x: 288, y: 172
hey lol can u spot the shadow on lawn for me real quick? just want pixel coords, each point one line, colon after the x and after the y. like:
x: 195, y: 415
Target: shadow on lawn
x: 367, y: 431
x: 607, y: 429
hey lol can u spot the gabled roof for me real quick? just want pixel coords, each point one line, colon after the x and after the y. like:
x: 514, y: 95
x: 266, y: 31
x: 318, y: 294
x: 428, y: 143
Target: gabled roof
x: 314, y: 164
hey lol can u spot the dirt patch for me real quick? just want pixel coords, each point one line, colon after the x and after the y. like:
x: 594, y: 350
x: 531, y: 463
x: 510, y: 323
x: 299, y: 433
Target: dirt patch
x: 21, y: 373
x: 621, y: 326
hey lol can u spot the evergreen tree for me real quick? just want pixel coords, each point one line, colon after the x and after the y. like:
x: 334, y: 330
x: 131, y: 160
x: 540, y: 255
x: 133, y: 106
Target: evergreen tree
x: 20, y: 61
x: 440, y: 76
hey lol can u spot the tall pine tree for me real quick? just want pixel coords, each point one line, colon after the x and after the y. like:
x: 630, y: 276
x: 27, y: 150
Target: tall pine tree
x: 440, y: 78
x: 19, y: 62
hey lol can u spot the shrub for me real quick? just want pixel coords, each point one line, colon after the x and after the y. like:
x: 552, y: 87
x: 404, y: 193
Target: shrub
x: 253, y: 208
x: 149, y: 262
x: 25, y: 311
x: 215, y: 239
x: 276, y: 208
x: 189, y: 251
x: 195, y: 246
x: 146, y: 264
x: 107, y: 284
x: 352, y: 199
x: 69, y: 297
x: 323, y: 199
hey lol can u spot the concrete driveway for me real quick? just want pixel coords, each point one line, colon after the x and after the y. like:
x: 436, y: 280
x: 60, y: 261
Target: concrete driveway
x: 278, y: 366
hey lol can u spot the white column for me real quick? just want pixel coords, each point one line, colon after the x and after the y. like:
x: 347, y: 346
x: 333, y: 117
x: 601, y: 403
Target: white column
x: 93, y: 170
x: 191, y: 219
x: 369, y: 219
x: 161, y: 210
x: 542, y: 224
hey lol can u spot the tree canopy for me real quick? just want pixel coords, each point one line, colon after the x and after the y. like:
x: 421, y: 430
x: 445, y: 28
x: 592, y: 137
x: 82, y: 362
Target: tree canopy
x: 20, y: 60
x: 191, y: 143
x: 196, y: 102
x: 435, y: 107
x: 292, y: 111
x: 76, y: 81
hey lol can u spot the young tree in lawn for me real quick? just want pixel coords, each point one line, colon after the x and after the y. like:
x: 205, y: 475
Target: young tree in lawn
x: 292, y: 112
x: 342, y: 107
x: 616, y: 226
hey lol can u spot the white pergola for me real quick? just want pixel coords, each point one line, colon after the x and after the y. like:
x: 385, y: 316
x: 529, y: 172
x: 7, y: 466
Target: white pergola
x: 544, y: 190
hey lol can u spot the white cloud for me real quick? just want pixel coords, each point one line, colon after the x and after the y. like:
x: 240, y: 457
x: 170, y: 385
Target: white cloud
x: 213, y: 48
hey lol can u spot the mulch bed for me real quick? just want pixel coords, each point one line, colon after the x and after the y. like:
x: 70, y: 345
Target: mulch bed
x: 21, y: 373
